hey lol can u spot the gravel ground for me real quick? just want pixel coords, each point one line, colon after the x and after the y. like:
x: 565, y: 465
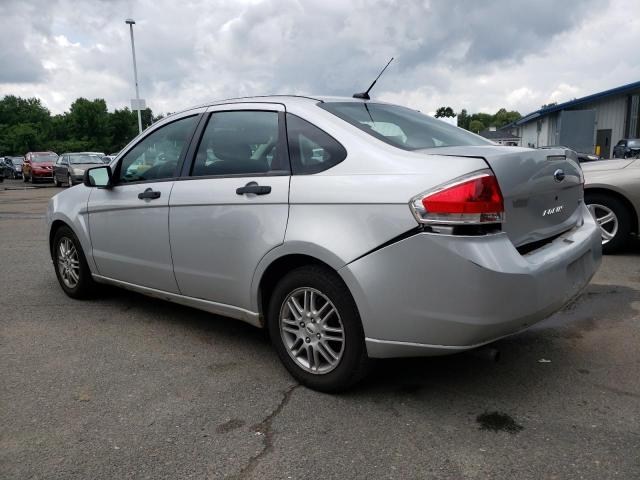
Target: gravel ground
x: 131, y: 387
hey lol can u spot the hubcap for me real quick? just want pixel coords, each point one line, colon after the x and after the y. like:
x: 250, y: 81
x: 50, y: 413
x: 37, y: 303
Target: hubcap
x: 606, y: 220
x: 68, y: 263
x: 312, y: 331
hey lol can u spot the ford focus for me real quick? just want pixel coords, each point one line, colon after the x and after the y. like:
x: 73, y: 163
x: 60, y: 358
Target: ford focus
x: 349, y: 229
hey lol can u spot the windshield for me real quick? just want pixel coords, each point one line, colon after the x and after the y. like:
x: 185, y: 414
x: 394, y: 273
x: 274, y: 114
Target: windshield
x: 44, y: 158
x: 633, y: 143
x: 16, y: 160
x: 402, y: 127
x: 81, y: 159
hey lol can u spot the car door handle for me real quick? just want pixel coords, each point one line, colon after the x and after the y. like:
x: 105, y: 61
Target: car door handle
x: 149, y: 193
x: 253, y: 187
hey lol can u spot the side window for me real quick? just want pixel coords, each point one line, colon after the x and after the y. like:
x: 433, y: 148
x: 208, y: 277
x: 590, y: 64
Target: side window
x: 156, y: 156
x: 239, y: 142
x: 311, y: 150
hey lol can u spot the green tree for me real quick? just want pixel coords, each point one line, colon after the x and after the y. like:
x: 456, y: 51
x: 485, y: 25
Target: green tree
x: 476, y: 126
x: 463, y: 119
x: 445, y: 112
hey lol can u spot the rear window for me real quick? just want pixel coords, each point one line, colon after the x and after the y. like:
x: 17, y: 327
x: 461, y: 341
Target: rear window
x: 402, y: 127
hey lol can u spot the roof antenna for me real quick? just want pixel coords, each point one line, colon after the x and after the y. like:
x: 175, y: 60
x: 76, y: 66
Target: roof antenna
x: 365, y: 95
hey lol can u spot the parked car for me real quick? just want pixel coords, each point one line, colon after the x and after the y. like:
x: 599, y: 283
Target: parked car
x: 345, y: 244
x: 582, y: 157
x: 38, y: 166
x: 2, y: 168
x: 70, y: 167
x: 13, y: 167
x: 612, y: 194
x: 627, y: 148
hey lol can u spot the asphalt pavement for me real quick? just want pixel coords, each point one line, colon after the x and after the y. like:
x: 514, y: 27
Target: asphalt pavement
x: 126, y: 386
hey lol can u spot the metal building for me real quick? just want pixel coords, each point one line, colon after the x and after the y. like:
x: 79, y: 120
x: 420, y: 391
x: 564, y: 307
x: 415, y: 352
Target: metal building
x: 591, y: 124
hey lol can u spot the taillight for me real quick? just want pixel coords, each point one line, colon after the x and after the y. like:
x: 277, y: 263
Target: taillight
x: 472, y: 199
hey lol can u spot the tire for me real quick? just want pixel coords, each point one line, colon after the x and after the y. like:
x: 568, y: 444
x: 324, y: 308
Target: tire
x: 353, y: 363
x: 56, y: 182
x: 69, y: 181
x: 32, y: 179
x: 85, y: 285
x: 622, y: 216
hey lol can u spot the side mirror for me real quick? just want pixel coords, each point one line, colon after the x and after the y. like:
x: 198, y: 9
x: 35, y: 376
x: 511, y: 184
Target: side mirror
x: 98, y: 177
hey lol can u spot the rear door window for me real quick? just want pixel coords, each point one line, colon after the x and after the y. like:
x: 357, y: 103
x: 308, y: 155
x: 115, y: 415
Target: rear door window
x: 240, y: 142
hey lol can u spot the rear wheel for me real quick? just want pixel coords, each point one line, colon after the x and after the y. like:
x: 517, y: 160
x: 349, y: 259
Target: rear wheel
x: 71, y: 266
x: 613, y: 218
x: 315, y: 328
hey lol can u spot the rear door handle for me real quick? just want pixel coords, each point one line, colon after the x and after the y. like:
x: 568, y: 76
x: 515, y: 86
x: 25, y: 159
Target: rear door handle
x: 149, y: 193
x: 253, y: 187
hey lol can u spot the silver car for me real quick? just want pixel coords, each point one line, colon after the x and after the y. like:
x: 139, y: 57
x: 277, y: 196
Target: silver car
x: 349, y: 229
x: 70, y: 167
x: 612, y: 193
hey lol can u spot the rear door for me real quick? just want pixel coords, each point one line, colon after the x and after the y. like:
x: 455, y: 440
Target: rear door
x: 231, y: 206
x: 129, y: 223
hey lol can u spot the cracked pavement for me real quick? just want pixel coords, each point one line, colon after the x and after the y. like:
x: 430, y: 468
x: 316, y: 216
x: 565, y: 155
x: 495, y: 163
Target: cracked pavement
x: 127, y: 386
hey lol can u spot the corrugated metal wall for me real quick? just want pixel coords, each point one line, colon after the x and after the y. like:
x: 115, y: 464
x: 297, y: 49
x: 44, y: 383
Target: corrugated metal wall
x: 610, y: 113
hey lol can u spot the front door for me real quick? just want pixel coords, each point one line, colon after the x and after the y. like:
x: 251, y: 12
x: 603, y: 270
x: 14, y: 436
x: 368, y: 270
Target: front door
x: 129, y: 223
x: 603, y: 141
x: 232, y: 207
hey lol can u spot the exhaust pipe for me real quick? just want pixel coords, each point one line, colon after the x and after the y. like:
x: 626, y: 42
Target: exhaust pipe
x: 491, y: 354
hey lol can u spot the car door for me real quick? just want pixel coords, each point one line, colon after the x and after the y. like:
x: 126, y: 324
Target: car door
x: 231, y: 206
x: 129, y: 222
x: 60, y: 169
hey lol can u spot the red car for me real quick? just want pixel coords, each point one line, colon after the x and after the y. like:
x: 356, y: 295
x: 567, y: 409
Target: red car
x: 38, y: 166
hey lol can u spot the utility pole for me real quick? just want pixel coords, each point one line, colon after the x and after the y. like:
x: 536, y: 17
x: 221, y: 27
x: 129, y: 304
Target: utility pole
x: 131, y: 22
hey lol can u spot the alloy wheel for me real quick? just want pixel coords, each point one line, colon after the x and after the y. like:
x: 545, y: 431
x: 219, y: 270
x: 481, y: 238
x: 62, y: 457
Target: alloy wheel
x: 312, y: 330
x: 68, y: 262
x: 606, y: 220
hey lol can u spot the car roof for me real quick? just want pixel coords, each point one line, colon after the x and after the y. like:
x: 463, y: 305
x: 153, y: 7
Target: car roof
x: 281, y: 99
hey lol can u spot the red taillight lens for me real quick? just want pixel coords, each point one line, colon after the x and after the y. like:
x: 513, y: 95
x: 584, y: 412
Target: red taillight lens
x: 472, y: 199
x: 479, y: 195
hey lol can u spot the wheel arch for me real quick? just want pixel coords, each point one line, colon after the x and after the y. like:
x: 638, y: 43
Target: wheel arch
x: 622, y: 198
x: 282, y: 259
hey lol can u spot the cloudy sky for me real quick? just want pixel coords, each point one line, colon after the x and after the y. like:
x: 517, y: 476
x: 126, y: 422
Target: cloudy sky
x: 478, y: 55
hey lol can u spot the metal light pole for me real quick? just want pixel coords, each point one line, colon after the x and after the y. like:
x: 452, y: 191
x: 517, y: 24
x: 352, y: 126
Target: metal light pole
x: 131, y: 22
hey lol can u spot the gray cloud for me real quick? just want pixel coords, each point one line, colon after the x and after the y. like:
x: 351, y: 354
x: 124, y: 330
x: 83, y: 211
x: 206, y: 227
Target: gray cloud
x: 189, y: 52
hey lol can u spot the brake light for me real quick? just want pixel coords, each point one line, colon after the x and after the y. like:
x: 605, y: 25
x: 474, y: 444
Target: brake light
x: 472, y: 199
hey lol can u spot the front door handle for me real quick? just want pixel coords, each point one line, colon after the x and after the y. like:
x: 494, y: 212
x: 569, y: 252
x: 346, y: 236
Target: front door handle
x: 253, y: 187
x: 149, y: 193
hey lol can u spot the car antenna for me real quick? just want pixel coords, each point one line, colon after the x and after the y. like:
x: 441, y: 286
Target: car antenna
x: 365, y: 95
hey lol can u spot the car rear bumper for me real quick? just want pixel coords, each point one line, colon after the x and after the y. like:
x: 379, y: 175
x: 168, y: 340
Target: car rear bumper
x: 433, y: 294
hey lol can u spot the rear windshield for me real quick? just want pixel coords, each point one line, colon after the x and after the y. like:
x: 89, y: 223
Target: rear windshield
x: 402, y: 127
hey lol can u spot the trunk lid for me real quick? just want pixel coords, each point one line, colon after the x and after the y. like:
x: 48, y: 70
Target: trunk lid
x: 537, y: 204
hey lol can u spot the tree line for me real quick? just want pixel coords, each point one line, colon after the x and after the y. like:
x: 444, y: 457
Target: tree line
x: 27, y: 125
x: 476, y: 122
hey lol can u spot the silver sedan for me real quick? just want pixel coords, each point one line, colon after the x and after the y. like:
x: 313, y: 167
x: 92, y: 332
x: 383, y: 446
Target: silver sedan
x: 349, y: 229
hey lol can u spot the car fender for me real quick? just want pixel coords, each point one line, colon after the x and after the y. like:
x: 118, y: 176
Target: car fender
x: 71, y: 208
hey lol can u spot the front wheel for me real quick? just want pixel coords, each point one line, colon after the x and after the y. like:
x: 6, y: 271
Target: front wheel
x: 316, y: 330
x: 69, y: 181
x: 71, y: 266
x: 56, y: 182
x: 613, y: 218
